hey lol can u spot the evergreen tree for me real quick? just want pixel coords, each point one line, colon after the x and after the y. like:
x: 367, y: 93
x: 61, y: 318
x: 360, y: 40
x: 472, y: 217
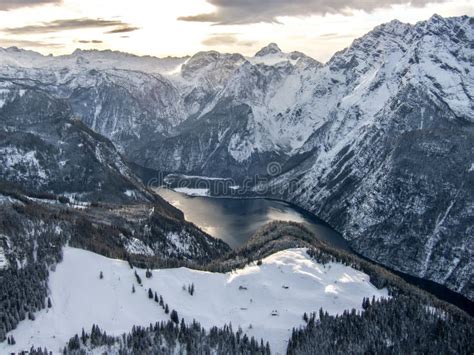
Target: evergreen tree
x: 101, y: 275
x: 169, y: 338
x: 49, y: 303
x: 305, y: 317
x: 139, y: 279
x: 174, y: 316
x: 150, y: 293
x: 83, y: 337
x: 74, y: 343
x: 267, y: 348
x: 365, y: 303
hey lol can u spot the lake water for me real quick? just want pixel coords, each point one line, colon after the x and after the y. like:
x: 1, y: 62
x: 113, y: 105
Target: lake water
x: 235, y: 220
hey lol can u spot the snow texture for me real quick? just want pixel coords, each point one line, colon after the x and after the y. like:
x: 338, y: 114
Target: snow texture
x: 12, y: 157
x: 267, y: 301
x: 3, y: 260
x: 192, y: 191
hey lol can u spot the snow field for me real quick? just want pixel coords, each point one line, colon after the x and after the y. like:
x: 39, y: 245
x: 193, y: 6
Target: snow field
x: 3, y: 260
x: 192, y: 191
x: 266, y: 301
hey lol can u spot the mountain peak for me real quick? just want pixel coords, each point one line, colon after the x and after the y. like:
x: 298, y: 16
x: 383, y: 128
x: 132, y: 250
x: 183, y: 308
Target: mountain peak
x: 436, y: 18
x: 271, y: 48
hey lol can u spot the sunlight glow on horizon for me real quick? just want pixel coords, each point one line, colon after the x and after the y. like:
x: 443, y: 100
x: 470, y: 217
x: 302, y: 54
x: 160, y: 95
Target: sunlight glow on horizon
x: 161, y: 34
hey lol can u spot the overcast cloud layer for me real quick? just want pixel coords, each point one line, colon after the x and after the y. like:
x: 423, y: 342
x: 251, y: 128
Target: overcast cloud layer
x: 318, y: 28
x: 6, y: 5
x: 230, y: 12
x: 72, y: 24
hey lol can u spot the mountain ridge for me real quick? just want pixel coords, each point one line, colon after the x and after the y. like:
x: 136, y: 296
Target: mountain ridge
x: 378, y: 139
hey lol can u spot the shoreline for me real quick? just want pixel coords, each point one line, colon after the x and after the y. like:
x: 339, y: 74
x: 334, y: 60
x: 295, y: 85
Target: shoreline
x: 436, y: 289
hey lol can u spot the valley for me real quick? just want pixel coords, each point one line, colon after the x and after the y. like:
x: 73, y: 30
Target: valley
x: 225, y: 203
x: 235, y: 220
x: 377, y: 141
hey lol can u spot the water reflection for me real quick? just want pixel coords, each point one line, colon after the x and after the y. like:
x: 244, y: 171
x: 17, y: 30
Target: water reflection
x: 236, y: 220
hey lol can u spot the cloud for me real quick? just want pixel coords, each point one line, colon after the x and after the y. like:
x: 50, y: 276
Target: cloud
x: 6, y: 5
x: 27, y: 44
x: 211, y: 17
x: 331, y: 36
x: 225, y: 39
x: 123, y: 29
x: 220, y: 39
x: 64, y: 25
x: 233, y: 12
x: 94, y: 41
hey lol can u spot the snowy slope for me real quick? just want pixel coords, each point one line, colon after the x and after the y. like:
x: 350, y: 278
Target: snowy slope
x: 192, y: 192
x: 387, y: 167
x: 3, y: 260
x: 90, y: 59
x: 80, y: 298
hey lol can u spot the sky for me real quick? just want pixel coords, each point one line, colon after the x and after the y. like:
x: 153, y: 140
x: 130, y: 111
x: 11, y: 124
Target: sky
x: 163, y: 28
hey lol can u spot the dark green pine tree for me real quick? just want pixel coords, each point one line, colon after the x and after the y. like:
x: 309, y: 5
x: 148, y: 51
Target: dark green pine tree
x: 74, y: 343
x: 83, y: 337
x: 139, y: 279
x: 174, y: 316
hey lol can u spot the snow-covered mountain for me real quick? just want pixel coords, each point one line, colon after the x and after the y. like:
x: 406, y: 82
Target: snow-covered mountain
x: 390, y: 166
x: 378, y: 141
x: 149, y: 106
x: 43, y: 149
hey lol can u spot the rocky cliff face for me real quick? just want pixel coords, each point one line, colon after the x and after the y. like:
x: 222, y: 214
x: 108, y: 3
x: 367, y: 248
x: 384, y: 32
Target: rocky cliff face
x: 60, y: 179
x: 391, y: 167
x: 378, y: 141
x: 45, y: 150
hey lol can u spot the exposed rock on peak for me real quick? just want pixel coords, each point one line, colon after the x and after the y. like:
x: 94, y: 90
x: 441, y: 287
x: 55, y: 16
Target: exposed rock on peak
x: 271, y: 48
